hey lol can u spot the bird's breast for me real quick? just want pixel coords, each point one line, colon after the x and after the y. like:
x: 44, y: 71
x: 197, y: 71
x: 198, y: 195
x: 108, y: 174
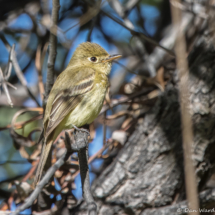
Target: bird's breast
x: 90, y: 106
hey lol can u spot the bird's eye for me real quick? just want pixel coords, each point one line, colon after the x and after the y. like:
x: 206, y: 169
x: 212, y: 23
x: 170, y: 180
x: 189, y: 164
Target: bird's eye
x: 93, y: 59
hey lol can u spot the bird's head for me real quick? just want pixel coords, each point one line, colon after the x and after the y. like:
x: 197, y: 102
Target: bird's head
x: 94, y: 56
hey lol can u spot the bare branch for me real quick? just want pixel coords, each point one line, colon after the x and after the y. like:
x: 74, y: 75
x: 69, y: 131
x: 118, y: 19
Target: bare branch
x: 7, y: 72
x: 120, y: 10
x: 20, y: 75
x: 155, y: 60
x: 150, y: 40
x: 29, y: 201
x: 4, y: 77
x: 52, y: 48
x: 38, y: 66
x: 122, y: 100
x: 13, y: 61
x: 82, y: 148
x: 81, y: 139
x: 18, y: 96
x: 130, y: 4
x: 4, y: 86
x: 92, y: 12
x: 187, y: 128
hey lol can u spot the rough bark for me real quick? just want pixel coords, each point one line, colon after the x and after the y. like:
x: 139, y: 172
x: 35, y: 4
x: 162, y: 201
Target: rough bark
x: 148, y: 171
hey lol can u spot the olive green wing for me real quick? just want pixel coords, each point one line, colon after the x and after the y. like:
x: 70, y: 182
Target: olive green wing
x: 69, y: 97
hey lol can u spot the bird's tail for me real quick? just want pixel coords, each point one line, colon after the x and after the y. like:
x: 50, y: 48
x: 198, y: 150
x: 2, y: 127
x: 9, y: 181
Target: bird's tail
x: 43, y: 159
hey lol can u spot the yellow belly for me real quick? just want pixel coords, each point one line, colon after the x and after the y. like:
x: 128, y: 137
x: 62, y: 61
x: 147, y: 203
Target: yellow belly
x: 87, y: 110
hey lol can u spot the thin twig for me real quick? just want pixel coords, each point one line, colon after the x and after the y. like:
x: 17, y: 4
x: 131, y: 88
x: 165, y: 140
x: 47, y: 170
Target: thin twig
x: 4, y: 76
x: 19, y: 125
x: 91, y: 28
x: 31, y: 171
x: 81, y: 140
x: 121, y: 12
x: 150, y: 40
x: 92, y: 12
x: 4, y: 84
x: 7, y: 72
x: 130, y: 4
x: 39, y: 70
x: 122, y: 100
x: 20, y: 75
x: 18, y: 71
x: 128, y: 70
x: 29, y: 201
x: 187, y: 129
x: 104, y: 128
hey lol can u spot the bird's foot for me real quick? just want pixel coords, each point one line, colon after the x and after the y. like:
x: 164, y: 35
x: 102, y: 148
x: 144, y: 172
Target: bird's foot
x: 81, y: 140
x: 82, y: 129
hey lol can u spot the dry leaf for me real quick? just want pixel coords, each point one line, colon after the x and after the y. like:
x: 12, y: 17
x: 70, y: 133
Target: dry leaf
x: 153, y: 94
x: 118, y: 114
x: 158, y: 80
x: 120, y: 136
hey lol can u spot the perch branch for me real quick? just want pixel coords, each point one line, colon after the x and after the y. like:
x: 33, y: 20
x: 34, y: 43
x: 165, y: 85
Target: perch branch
x: 81, y: 139
x: 82, y: 149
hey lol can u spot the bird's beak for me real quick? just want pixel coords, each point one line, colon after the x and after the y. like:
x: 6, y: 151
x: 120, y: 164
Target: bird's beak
x: 112, y: 57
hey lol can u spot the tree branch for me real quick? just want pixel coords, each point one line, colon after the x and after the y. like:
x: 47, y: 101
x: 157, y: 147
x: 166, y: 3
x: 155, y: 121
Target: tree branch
x: 52, y: 47
x: 4, y: 84
x: 187, y: 127
x: 29, y: 201
x: 148, y: 39
x: 13, y: 61
x: 4, y: 76
x: 21, y: 77
x: 81, y: 142
x: 81, y: 139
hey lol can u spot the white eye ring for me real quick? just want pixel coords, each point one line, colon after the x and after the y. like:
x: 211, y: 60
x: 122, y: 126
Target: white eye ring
x: 93, y: 59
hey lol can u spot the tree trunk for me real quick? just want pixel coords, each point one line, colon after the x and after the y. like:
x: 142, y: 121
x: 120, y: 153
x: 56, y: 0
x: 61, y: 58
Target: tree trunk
x: 147, y: 174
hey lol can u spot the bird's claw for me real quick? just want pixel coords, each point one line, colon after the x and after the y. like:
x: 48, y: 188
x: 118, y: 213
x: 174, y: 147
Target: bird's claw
x: 82, y: 129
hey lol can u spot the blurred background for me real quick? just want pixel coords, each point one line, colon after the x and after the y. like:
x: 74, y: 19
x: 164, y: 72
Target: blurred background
x: 133, y: 28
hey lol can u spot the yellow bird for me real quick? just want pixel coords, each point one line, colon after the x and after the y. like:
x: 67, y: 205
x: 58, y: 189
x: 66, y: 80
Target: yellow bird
x: 77, y: 96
